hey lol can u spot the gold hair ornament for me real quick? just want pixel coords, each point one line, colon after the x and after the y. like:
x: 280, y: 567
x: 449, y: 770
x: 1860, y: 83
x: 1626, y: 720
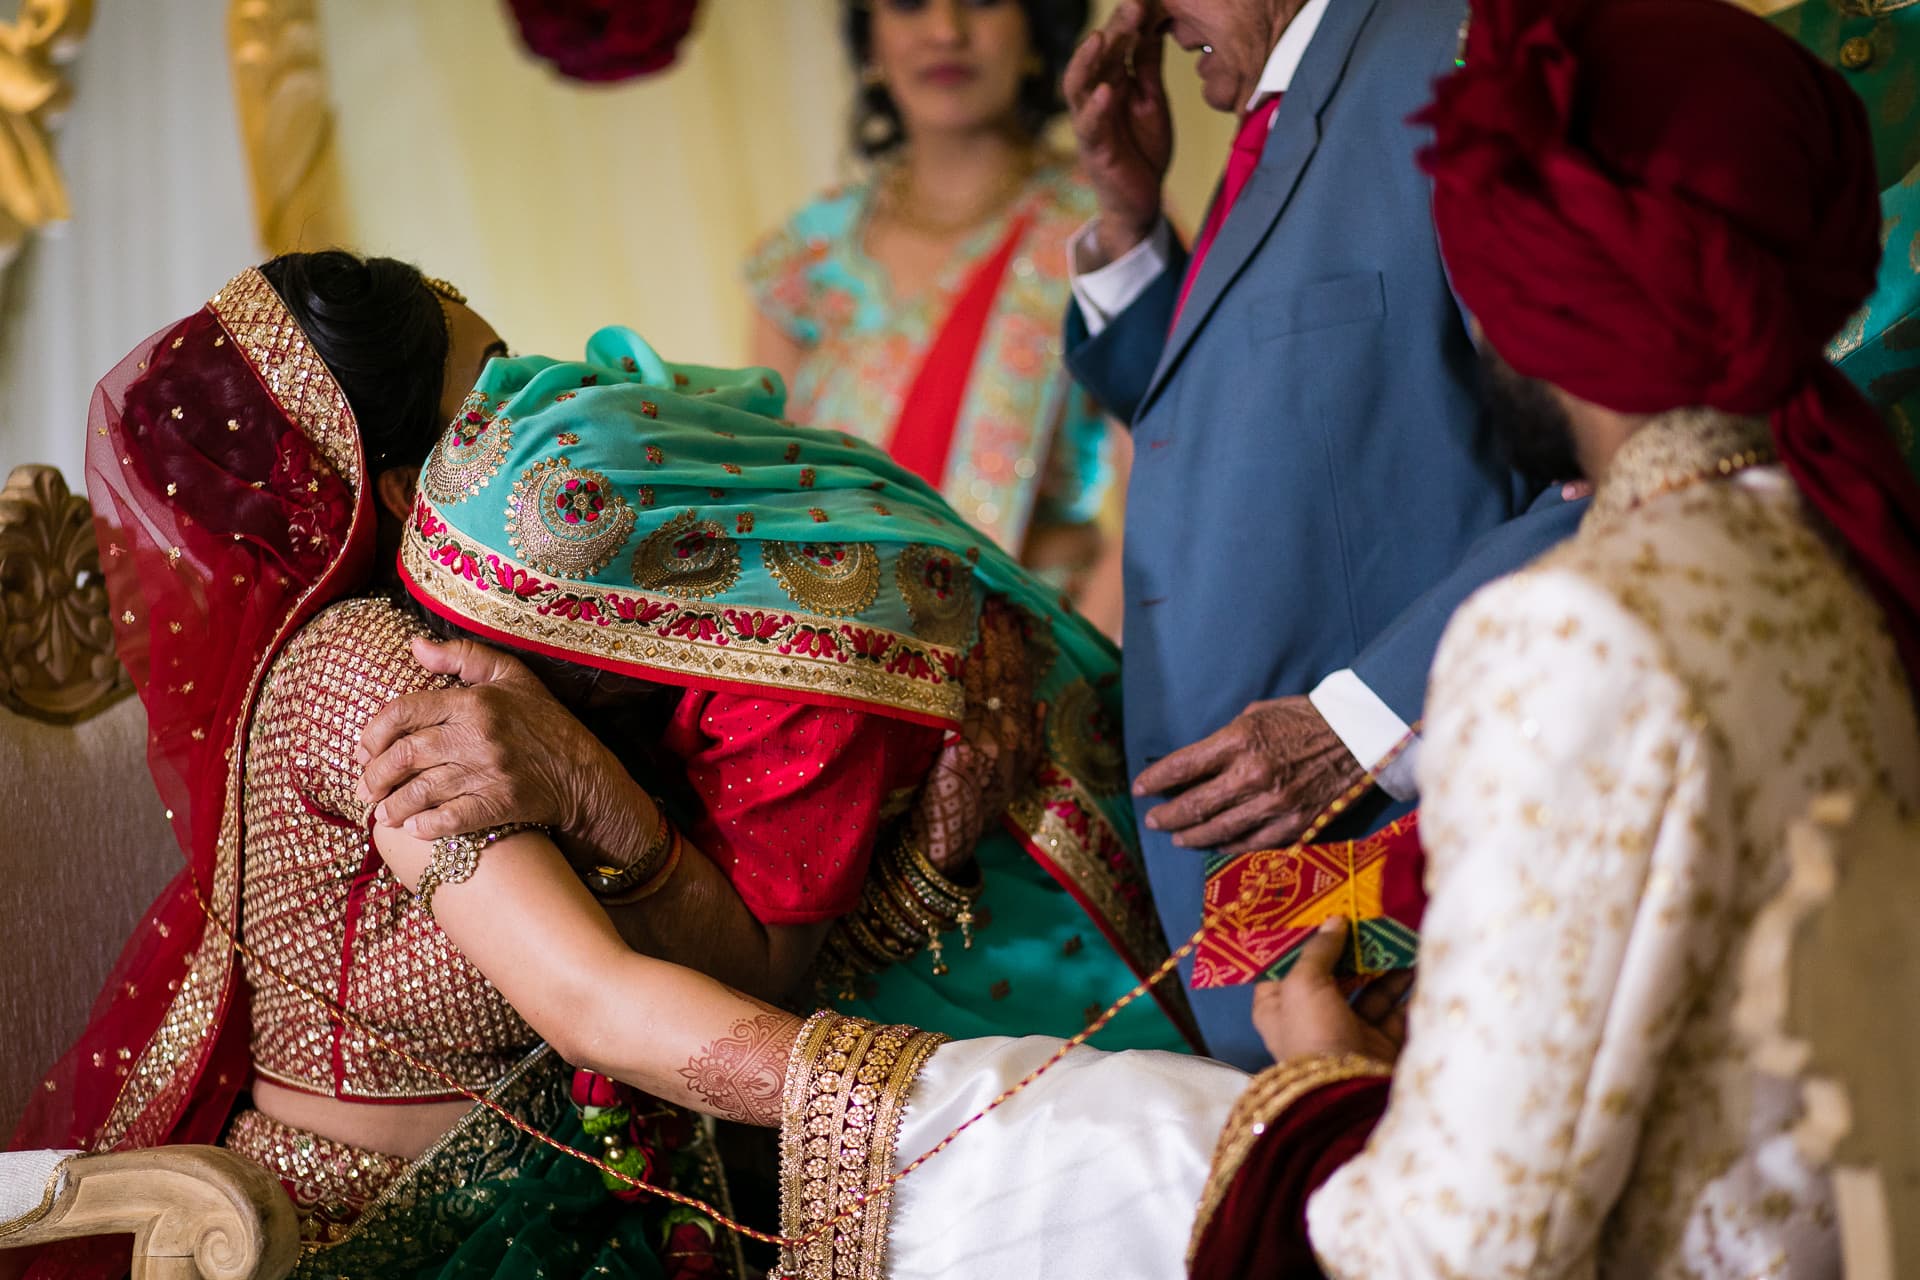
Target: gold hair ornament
x: 444, y: 288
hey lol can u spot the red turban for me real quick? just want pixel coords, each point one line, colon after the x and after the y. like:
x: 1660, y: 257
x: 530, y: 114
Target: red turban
x: 1658, y: 204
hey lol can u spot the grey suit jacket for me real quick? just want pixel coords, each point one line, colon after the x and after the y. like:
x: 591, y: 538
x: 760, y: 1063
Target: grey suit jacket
x: 1311, y: 468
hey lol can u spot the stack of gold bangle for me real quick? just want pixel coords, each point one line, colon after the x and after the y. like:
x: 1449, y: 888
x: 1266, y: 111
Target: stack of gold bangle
x: 906, y: 905
x: 645, y: 876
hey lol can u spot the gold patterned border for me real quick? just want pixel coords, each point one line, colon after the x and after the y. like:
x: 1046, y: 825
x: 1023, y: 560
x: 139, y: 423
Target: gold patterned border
x: 56, y: 1182
x: 1266, y: 1099
x: 846, y: 1092
x: 301, y: 384
x: 1065, y: 831
x: 684, y: 641
x: 304, y: 388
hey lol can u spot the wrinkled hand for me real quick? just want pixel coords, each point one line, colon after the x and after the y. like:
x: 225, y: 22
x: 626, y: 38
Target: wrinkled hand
x: 1305, y: 1013
x: 1255, y: 784
x: 500, y: 749
x: 979, y: 771
x: 1117, y: 97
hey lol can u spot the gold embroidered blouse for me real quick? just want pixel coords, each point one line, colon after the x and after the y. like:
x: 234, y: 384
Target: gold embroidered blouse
x: 320, y: 908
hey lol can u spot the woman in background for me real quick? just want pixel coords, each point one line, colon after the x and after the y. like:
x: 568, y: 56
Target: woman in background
x: 920, y: 308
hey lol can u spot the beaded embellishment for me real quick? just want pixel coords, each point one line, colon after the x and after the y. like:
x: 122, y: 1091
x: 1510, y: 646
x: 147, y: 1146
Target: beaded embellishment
x: 565, y: 520
x: 938, y: 589
x: 468, y: 454
x: 688, y: 558
x: 835, y: 579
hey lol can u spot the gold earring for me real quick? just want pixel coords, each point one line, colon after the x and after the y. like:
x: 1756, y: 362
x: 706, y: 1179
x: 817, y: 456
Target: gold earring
x: 870, y: 77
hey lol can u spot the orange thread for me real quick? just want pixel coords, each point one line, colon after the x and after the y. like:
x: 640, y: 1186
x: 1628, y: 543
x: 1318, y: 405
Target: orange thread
x: 1160, y: 973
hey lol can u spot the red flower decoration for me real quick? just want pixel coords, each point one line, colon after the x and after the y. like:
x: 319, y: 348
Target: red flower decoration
x: 604, y: 40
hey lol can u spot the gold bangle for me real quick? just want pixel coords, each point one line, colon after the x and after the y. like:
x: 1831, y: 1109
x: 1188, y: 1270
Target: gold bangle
x: 654, y: 883
x: 613, y: 882
x: 921, y: 869
x: 457, y: 857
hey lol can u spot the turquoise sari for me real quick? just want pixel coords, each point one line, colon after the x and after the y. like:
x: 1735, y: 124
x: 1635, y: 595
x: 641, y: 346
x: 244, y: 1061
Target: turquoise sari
x: 664, y: 521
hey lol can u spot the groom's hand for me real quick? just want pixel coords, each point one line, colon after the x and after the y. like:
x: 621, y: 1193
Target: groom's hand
x: 1307, y: 1013
x: 1255, y: 784
x: 498, y: 749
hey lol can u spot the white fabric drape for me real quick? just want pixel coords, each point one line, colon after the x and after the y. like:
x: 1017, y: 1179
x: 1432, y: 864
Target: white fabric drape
x: 161, y: 218
x: 1094, y: 1172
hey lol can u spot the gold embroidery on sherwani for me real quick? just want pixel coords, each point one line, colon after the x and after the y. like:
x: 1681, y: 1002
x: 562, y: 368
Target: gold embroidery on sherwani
x: 846, y: 1093
x: 300, y: 383
x: 1676, y: 451
x: 1617, y: 739
x: 1266, y: 1099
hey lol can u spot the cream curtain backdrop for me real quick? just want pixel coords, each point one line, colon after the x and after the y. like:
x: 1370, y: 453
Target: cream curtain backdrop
x: 559, y: 207
x: 151, y: 154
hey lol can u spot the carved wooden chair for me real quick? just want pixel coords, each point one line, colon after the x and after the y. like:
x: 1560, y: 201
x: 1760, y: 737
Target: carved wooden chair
x: 1830, y: 982
x: 85, y: 848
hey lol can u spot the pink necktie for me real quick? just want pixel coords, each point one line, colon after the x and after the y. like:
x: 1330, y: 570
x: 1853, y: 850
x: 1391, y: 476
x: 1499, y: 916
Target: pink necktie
x: 1248, y: 143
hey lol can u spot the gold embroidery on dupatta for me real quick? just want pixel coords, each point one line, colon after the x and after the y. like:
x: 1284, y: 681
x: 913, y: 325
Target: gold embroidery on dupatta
x: 469, y: 454
x: 303, y: 387
x: 567, y: 521
x: 720, y: 643
x: 1065, y: 831
x: 1085, y: 740
x: 833, y: 579
x: 688, y: 558
x: 938, y: 588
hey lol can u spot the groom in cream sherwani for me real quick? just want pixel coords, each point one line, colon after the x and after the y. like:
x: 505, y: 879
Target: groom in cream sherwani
x: 1656, y: 210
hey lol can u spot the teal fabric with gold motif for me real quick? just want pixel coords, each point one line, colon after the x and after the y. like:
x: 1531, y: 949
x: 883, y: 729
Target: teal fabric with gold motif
x: 1876, y: 45
x: 664, y: 521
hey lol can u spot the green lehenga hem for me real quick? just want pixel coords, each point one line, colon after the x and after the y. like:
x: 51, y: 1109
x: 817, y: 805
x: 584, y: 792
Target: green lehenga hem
x: 489, y: 1200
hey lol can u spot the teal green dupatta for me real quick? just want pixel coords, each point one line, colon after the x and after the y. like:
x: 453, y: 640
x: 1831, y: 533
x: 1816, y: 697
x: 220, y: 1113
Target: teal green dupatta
x: 1875, y: 44
x: 663, y: 521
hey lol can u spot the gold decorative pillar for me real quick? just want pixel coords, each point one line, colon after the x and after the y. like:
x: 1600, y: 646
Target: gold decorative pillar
x: 33, y: 47
x: 286, y: 123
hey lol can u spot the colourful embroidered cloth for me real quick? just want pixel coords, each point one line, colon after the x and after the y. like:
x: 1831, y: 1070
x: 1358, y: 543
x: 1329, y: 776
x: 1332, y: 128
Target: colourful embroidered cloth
x: 664, y: 522
x: 1260, y: 907
x: 1028, y: 445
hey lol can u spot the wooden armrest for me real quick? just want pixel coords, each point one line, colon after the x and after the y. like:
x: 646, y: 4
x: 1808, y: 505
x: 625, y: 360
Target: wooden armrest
x: 194, y: 1213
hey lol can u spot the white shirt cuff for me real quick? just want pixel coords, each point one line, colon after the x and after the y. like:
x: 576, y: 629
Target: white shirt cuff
x: 1105, y: 292
x: 1370, y: 730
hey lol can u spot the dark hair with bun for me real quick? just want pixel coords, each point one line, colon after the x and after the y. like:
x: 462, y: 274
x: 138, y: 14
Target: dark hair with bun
x: 381, y: 331
x: 1053, y: 29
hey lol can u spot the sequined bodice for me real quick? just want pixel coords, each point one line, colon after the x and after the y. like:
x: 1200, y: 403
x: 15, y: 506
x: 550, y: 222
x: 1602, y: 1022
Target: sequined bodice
x: 320, y: 908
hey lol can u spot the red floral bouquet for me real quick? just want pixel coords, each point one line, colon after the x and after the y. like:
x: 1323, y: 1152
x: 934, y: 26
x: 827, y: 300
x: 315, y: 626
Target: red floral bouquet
x: 604, y: 40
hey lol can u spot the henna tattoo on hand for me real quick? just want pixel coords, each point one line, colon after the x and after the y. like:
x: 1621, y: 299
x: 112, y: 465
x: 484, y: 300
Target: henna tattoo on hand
x: 741, y: 1076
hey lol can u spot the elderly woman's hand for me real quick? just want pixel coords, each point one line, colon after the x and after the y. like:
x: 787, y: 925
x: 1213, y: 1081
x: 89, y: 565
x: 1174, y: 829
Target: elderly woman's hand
x: 500, y: 748
x: 981, y: 769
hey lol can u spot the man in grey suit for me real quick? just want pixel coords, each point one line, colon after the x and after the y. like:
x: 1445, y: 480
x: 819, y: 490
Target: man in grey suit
x: 1314, y: 488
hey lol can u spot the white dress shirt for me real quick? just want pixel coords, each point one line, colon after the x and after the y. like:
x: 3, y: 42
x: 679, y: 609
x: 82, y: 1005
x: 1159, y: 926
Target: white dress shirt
x: 1365, y: 724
